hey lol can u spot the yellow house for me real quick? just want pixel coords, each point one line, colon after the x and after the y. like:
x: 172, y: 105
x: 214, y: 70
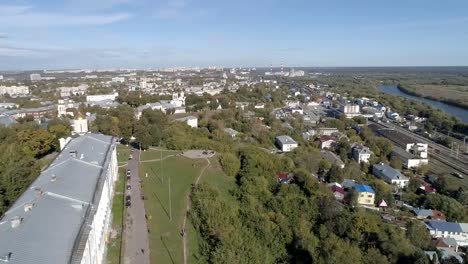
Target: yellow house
x: 366, y: 195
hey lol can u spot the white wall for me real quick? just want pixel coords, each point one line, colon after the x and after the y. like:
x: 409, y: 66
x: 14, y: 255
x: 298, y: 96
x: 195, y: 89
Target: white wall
x: 100, y: 228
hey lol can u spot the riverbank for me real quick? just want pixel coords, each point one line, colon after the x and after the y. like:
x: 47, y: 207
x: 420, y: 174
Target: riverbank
x: 442, y: 100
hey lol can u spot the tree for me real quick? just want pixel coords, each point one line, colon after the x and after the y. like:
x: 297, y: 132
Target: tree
x: 417, y: 234
x: 35, y: 143
x: 230, y: 163
x: 396, y: 163
x: 335, y: 174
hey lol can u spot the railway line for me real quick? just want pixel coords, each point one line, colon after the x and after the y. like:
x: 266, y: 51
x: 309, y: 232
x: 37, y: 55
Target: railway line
x: 441, y: 153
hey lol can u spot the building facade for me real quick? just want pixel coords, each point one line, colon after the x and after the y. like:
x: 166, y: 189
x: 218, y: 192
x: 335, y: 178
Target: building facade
x: 286, y: 143
x: 65, y: 215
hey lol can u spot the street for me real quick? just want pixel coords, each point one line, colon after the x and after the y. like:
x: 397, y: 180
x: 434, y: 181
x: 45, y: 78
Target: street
x: 136, y: 246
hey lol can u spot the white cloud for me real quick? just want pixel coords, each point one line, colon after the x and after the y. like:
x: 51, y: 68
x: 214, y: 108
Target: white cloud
x: 13, y: 9
x: 26, y: 17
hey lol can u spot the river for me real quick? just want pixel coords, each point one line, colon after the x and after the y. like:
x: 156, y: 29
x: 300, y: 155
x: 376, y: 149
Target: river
x: 456, y: 111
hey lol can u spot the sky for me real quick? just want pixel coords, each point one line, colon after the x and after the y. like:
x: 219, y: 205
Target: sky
x: 96, y: 34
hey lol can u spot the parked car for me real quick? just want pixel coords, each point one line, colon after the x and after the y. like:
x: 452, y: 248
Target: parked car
x: 129, y: 187
x: 458, y: 175
x: 130, y: 157
x: 128, y: 198
x: 128, y: 204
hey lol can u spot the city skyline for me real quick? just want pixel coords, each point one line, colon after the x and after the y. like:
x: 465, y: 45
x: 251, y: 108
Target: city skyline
x: 152, y: 34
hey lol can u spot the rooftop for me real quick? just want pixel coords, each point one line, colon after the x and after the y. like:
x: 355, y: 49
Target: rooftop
x: 447, y: 226
x: 389, y: 172
x: 52, y: 212
x: 286, y: 140
x: 364, y: 188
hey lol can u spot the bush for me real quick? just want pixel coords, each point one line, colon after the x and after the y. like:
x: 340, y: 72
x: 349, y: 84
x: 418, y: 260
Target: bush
x: 230, y: 163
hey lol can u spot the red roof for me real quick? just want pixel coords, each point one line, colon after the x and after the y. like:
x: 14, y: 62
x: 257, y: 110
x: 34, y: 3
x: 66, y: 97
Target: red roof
x: 326, y: 138
x: 437, y: 215
x: 282, y: 175
x: 337, y: 189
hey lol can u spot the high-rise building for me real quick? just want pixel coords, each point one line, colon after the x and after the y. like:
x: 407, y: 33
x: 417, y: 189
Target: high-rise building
x: 65, y: 215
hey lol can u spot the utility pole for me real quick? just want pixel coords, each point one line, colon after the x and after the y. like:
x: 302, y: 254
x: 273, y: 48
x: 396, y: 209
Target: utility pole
x: 170, y: 203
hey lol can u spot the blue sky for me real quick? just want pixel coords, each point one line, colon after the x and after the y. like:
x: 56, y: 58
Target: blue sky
x: 53, y: 34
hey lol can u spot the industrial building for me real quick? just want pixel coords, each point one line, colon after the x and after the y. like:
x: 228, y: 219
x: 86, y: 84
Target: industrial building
x: 65, y: 215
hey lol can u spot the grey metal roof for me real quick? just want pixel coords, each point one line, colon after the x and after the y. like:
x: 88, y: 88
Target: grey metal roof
x: 7, y: 120
x: 445, y: 226
x: 389, y: 172
x: 183, y: 119
x: 286, y: 140
x: 48, y: 233
x: 423, y: 212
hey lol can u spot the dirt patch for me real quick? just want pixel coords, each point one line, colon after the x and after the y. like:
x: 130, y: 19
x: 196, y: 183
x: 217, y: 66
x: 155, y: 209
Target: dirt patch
x: 198, y: 154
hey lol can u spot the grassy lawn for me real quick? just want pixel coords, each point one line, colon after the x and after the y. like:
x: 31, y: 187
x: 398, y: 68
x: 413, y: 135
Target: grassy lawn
x: 115, y: 243
x: 122, y: 154
x: 152, y: 154
x: 165, y: 239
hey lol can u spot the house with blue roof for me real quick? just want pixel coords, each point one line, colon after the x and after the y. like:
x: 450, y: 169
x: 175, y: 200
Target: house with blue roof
x: 366, y: 195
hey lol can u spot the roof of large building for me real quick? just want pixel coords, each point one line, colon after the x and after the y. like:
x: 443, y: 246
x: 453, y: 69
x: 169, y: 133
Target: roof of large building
x: 7, y: 120
x: 447, y: 226
x: 52, y: 212
x: 286, y: 140
x: 389, y: 172
x: 363, y: 188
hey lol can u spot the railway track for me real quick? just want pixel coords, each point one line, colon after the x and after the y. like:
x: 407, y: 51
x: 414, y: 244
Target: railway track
x: 436, y: 151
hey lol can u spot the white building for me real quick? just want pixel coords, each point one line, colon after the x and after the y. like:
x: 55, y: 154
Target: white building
x: 1, y: 77
x: 457, y: 231
x: 191, y: 121
x: 9, y: 105
x: 118, y: 79
x: 65, y: 215
x: 76, y: 90
x: 14, y: 90
x: 390, y: 175
x: 80, y: 125
x: 286, y: 143
x: 350, y: 110
x: 361, y: 153
x: 418, y: 149
x: 101, y: 97
x: 63, y: 105
x: 35, y: 77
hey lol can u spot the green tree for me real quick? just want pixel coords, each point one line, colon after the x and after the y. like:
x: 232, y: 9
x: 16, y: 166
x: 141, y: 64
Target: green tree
x: 417, y: 234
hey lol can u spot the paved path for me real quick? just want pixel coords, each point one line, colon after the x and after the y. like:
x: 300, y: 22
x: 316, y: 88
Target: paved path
x: 153, y: 160
x: 136, y: 245
x: 189, y: 203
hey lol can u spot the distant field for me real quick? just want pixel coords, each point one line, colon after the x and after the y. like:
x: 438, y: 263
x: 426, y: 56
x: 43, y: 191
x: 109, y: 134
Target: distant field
x: 450, y: 93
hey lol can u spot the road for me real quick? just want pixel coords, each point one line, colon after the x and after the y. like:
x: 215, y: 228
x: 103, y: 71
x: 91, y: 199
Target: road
x: 136, y: 245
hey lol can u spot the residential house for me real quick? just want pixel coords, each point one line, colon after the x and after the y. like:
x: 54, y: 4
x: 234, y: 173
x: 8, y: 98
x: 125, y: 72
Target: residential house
x: 332, y: 158
x: 191, y: 121
x: 366, y: 195
x: 231, y: 132
x: 361, y: 153
x: 428, y: 214
x: 390, y: 175
x: 327, y: 142
x: 286, y: 143
x: 284, y: 177
x: 338, y: 191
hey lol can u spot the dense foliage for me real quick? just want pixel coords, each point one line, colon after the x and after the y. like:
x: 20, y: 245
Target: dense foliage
x: 269, y: 222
